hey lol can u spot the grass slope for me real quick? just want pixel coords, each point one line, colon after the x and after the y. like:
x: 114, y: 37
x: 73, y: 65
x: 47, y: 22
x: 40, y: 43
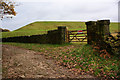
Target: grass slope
x: 42, y: 28
x: 51, y: 25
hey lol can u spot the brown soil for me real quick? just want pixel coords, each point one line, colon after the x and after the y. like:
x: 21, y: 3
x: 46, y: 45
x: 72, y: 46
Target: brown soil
x: 19, y: 62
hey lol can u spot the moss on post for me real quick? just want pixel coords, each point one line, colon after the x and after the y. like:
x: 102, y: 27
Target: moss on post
x: 91, y: 27
x: 62, y: 34
x: 103, y: 26
x: 97, y: 30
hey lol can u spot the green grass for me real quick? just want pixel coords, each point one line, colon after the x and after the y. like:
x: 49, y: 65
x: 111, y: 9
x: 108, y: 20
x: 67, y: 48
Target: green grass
x: 22, y: 33
x: 34, y: 46
x: 51, y: 25
x: 42, y: 28
x: 114, y: 27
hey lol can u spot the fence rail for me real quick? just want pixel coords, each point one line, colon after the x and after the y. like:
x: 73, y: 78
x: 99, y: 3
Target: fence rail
x: 77, y: 36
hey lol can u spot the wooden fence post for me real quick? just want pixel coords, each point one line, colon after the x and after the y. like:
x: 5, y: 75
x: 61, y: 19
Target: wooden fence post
x: 67, y: 35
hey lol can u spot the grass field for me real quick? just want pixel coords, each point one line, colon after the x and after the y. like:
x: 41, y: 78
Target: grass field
x: 78, y: 56
x: 42, y: 28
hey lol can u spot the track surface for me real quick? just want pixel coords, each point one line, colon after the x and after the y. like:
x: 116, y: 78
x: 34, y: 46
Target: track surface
x: 20, y: 62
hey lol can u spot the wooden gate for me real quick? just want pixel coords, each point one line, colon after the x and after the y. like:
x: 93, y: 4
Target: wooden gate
x: 77, y: 36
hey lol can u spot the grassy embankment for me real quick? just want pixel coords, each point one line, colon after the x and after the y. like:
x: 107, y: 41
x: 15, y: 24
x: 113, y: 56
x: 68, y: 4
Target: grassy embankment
x: 43, y: 27
x: 78, y: 57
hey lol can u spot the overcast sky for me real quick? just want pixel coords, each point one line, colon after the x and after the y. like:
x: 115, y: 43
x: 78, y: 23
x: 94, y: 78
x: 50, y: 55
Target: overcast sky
x: 61, y: 10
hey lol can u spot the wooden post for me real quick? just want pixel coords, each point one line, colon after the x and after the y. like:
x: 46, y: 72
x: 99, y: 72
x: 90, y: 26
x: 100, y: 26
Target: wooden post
x: 67, y: 35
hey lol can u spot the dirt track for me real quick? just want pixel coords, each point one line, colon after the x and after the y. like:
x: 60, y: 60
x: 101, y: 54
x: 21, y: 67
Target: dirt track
x: 19, y: 62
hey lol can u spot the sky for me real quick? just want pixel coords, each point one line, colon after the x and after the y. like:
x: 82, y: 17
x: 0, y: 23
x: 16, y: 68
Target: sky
x: 30, y: 11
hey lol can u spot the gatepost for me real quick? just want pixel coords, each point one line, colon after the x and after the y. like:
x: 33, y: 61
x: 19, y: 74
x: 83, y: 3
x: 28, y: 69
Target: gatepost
x: 62, y: 34
x: 97, y: 30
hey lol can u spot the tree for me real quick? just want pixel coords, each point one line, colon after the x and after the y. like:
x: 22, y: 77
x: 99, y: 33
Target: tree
x: 7, y: 8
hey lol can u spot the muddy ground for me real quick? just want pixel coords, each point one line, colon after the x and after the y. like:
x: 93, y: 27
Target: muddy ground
x: 23, y: 63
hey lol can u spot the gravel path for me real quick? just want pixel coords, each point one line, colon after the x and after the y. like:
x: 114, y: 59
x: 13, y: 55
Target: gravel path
x: 23, y: 63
